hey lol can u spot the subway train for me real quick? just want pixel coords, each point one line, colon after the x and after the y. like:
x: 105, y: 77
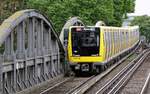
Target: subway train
x: 94, y: 48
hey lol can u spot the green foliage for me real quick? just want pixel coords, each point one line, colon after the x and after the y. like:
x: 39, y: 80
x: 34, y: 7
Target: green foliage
x: 121, y: 8
x: 8, y: 7
x: 129, y: 6
x: 89, y: 11
x: 59, y: 11
x: 144, y: 24
x: 118, y: 12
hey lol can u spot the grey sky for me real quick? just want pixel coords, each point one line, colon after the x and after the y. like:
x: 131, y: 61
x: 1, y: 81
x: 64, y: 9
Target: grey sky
x: 142, y: 7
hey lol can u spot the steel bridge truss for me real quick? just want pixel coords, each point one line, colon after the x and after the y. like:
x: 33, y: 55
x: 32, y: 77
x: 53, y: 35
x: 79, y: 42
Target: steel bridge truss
x: 31, y: 51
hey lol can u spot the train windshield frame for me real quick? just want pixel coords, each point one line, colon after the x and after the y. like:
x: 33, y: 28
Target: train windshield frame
x: 85, y: 41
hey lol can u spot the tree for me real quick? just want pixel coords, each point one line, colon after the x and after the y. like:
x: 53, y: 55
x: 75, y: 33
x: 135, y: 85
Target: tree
x: 59, y: 11
x: 89, y: 11
x: 144, y: 24
x: 121, y: 8
x: 8, y: 7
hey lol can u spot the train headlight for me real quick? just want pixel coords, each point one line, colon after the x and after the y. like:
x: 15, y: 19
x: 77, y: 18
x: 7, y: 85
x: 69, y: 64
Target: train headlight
x: 77, y: 67
x: 75, y: 51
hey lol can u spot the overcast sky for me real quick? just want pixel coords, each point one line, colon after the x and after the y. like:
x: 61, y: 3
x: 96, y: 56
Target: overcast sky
x: 142, y: 7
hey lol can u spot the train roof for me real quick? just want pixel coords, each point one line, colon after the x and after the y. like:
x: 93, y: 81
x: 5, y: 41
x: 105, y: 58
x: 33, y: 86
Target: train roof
x: 111, y: 27
x: 127, y: 27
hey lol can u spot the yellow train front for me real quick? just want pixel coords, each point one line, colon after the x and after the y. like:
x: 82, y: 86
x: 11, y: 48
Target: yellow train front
x: 95, y: 48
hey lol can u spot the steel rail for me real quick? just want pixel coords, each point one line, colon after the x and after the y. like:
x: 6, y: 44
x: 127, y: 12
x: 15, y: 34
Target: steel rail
x: 145, y: 85
x: 43, y: 92
x: 127, y: 76
x: 79, y: 86
x: 122, y: 75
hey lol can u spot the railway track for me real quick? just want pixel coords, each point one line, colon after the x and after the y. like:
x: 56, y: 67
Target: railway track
x: 139, y: 82
x: 114, y: 85
x: 67, y: 86
x: 80, y: 85
x: 146, y: 87
x: 105, y: 83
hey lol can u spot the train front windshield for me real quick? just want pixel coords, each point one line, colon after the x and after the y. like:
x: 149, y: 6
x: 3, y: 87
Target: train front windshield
x: 85, y: 42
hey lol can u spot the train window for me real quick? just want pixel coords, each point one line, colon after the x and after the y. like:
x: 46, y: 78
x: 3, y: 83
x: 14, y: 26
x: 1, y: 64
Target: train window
x: 116, y: 37
x: 66, y: 33
x: 117, y: 40
x: 114, y: 40
x: 111, y: 41
x: 126, y: 38
x: 113, y: 37
x: 106, y: 44
x: 121, y: 39
x: 123, y: 35
x: 85, y: 42
x: 109, y: 44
